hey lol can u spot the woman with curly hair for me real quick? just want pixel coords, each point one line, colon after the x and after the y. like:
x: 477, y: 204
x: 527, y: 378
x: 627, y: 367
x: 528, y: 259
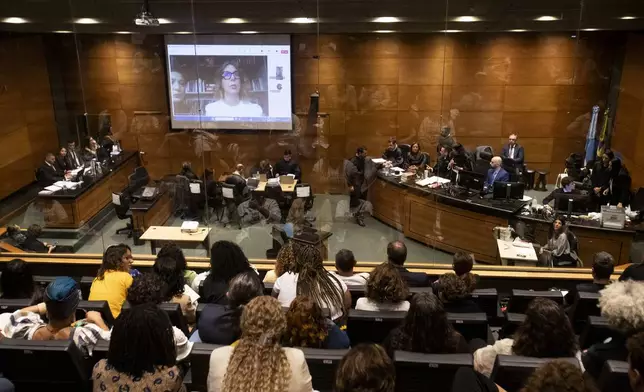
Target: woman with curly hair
x: 557, y: 375
x: 306, y: 326
x: 366, y: 368
x: 385, y: 290
x: 545, y: 333
x: 622, y: 305
x: 455, y: 293
x: 283, y: 263
x: 227, y: 260
x: 425, y: 329
x: 309, y: 277
x: 113, y: 278
x: 171, y: 272
x: 258, y: 363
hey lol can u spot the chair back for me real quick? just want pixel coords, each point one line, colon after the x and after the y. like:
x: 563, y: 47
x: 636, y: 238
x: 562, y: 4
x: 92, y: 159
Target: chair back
x: 428, y: 372
x: 200, y: 365
x: 121, y: 203
x: 484, y: 152
x: 228, y: 191
x: 614, y: 377
x: 322, y: 366
x: 597, y: 330
x: 404, y: 148
x: 274, y: 192
x: 471, y: 325
x: 372, y: 327
x: 303, y: 190
x: 11, y: 305
x: 102, y: 307
x: 586, y: 304
x: 488, y: 301
x: 511, y: 371
x: 173, y: 310
x: 520, y: 299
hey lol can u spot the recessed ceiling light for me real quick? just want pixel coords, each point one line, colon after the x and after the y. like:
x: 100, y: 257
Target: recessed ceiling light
x: 62, y: 31
x: 386, y: 19
x: 302, y: 20
x: 15, y: 20
x: 384, y: 31
x: 164, y: 21
x: 234, y: 20
x: 86, y: 21
x: 183, y: 32
x: 518, y: 30
x: 248, y: 32
x: 546, y: 18
x: 592, y: 29
x: 452, y: 31
x: 122, y: 32
x: 467, y: 19
x: 628, y: 17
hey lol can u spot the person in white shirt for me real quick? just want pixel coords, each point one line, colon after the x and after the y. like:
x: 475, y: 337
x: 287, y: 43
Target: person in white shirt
x: 386, y: 290
x: 344, y: 264
x: 309, y: 278
x: 234, y: 97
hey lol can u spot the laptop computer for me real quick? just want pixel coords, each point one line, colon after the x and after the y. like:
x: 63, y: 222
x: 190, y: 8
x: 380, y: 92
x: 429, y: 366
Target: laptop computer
x: 287, y: 180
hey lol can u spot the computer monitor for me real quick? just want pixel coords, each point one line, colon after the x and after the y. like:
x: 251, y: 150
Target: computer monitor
x: 508, y: 190
x: 471, y: 180
x: 571, y: 202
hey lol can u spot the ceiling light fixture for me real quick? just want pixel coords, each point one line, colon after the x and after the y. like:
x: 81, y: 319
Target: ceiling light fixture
x: 234, y: 20
x: 164, y: 21
x: 384, y: 31
x: 62, y: 31
x: 628, y: 17
x: 386, y: 19
x: 122, y: 32
x: 248, y: 32
x: 15, y: 20
x: 302, y: 20
x: 452, y: 31
x: 518, y: 30
x: 86, y: 21
x: 183, y: 32
x: 546, y: 18
x: 591, y: 29
x: 467, y: 19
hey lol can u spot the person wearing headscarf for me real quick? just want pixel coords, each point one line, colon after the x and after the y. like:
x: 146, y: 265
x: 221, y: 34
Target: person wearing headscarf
x: 61, y: 300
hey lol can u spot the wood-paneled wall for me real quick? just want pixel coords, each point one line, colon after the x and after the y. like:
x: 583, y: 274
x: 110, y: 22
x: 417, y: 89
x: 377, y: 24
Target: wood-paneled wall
x: 628, y: 134
x: 27, y: 123
x: 485, y: 86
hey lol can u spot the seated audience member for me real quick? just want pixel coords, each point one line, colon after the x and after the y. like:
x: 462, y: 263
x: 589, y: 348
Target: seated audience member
x: 33, y: 244
x: 219, y: 324
x: 567, y: 186
x: 226, y: 261
x: 286, y: 166
x: 16, y: 235
x: 264, y: 167
x: 559, y: 244
x: 113, y: 278
x: 385, y: 290
x: 603, y: 267
x: 462, y: 264
x: 306, y: 326
x: 74, y: 161
x: 621, y: 304
x: 455, y: 294
x: 416, y: 160
x: 495, y: 174
x: 365, y: 368
x: 61, y: 160
x: 17, y: 282
x: 393, y: 154
x: 634, y: 272
x: 259, y: 208
x: 344, y: 264
x: 545, y: 333
x: 635, y: 346
x: 176, y: 289
x: 258, y: 362
x: 557, y: 376
x: 172, y: 250
x: 442, y: 162
x: 284, y: 262
x: 61, y: 300
x: 47, y: 173
x: 239, y: 171
x: 309, y: 278
x: 397, y: 254
x: 186, y: 171
x: 620, y: 184
x: 239, y: 183
x: 426, y: 329
x: 297, y: 215
x: 141, y: 356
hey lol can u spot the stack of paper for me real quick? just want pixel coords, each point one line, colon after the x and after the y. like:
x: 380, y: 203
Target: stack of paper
x: 377, y: 160
x: 53, y: 188
x: 440, y: 180
x: 424, y: 182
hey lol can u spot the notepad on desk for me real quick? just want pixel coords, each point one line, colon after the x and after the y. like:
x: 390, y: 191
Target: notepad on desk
x: 378, y: 160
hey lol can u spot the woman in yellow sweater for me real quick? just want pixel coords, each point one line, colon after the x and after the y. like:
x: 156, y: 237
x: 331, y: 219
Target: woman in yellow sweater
x: 113, y: 279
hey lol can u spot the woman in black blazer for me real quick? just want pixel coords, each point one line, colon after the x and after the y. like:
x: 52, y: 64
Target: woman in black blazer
x: 62, y: 163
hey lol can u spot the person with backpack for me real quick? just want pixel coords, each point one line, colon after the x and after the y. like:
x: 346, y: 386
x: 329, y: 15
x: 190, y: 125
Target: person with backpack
x: 562, y: 244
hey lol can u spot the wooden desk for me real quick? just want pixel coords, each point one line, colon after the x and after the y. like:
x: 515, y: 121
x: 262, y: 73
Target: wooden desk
x: 146, y: 213
x: 72, y: 208
x: 261, y: 187
x: 511, y: 253
x: 155, y: 234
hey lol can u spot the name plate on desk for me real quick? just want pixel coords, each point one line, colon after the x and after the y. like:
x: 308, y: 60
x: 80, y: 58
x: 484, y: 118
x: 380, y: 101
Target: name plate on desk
x: 613, y: 217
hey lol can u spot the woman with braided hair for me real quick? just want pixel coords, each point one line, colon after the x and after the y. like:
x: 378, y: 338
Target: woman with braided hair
x: 258, y: 363
x: 308, y: 277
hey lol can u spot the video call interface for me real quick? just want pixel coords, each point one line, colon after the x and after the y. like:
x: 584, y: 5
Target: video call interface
x: 230, y: 82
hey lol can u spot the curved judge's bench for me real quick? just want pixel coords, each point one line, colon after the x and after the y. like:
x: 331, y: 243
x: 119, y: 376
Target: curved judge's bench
x: 452, y: 222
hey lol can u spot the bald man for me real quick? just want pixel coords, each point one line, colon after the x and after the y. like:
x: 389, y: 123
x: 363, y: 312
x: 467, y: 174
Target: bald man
x: 495, y: 174
x: 396, y: 255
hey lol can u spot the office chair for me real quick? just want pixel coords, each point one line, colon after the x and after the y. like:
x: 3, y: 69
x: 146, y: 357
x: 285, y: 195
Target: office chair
x: 173, y: 310
x: 232, y: 199
x: 86, y: 285
x: 322, y: 365
x: 404, y: 148
x: 199, y: 366
x: 372, y: 327
x: 11, y: 305
x: 520, y: 299
x: 512, y: 371
x: 182, y: 197
x: 488, y: 301
x: 487, y: 150
x: 425, y: 372
x: 303, y: 191
x: 585, y: 305
x: 215, y: 199
x: 471, y: 326
x: 121, y: 203
x: 101, y: 307
x: 614, y: 377
x: 596, y: 330
x: 274, y: 191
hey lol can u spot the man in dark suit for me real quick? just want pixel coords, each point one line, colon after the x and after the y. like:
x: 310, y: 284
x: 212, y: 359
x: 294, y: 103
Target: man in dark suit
x: 47, y: 173
x: 74, y: 159
x: 603, y: 267
x: 397, y: 254
x: 393, y: 153
x: 287, y: 166
x: 513, y: 151
x: 495, y: 174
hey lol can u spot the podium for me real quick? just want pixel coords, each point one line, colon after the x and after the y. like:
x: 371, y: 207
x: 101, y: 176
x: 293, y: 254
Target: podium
x: 317, y: 238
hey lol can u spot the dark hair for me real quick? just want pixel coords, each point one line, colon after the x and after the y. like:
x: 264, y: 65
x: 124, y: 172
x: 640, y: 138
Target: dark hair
x: 305, y: 324
x: 145, y: 289
x: 34, y: 231
x: 615, y: 167
x: 453, y: 288
x: 603, y: 265
x: 462, y: 262
x: 71, y: 141
x: 635, y: 345
x: 425, y: 328
x: 287, y: 152
x: 361, y: 149
x: 397, y: 252
x: 167, y: 268
x: 392, y: 139
x: 365, y: 368
x: 173, y: 250
x: 556, y: 375
x: 609, y: 153
x: 142, y: 340
x: 344, y: 260
x: 243, y: 288
x: 112, y: 259
x: 17, y: 281
x: 565, y: 181
x: 411, y: 147
x: 546, y: 332
x: 386, y: 285
x: 227, y: 259
x: 564, y: 228
x: 314, y: 281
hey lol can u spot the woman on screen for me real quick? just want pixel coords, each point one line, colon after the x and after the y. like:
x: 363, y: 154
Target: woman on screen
x: 233, y: 96
x: 180, y: 102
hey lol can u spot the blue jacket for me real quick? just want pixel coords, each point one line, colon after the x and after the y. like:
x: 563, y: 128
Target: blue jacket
x: 502, y: 176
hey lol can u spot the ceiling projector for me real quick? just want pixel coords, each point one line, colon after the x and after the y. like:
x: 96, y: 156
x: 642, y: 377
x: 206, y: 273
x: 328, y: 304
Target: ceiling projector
x: 145, y: 18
